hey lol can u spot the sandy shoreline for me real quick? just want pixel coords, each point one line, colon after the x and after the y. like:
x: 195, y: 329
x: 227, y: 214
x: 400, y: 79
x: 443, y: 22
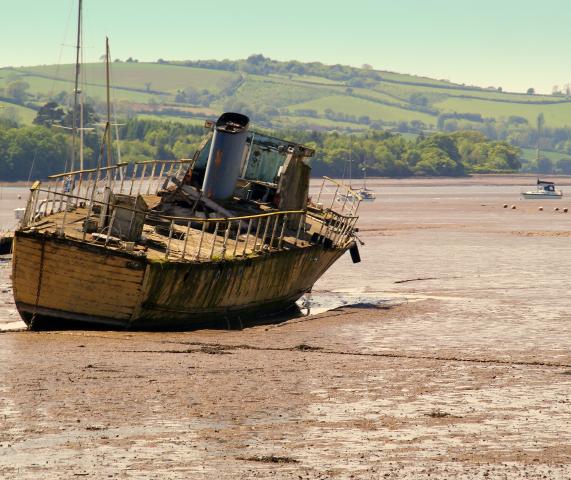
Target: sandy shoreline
x: 461, y: 371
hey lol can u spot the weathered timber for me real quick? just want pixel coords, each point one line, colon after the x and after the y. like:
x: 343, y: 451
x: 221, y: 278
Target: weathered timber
x: 51, y: 282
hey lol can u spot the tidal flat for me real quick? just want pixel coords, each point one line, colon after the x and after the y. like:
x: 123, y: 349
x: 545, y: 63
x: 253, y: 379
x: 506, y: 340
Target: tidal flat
x: 445, y: 354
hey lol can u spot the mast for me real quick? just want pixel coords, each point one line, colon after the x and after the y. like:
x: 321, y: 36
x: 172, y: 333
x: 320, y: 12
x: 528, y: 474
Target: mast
x: 107, y: 61
x: 539, y: 125
x: 76, y: 88
x: 350, y: 160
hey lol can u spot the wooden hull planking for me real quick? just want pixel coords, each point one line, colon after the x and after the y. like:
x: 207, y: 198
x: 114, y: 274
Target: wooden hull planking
x: 68, y: 279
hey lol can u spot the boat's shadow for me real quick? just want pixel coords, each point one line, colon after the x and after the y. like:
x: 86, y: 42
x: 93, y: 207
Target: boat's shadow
x: 41, y: 324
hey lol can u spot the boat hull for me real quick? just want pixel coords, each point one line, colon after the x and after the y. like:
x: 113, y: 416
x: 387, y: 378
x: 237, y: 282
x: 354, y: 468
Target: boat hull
x: 68, y: 280
x: 541, y: 196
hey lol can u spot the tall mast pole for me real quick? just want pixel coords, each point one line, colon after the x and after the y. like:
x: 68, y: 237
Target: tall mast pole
x: 76, y: 89
x: 107, y: 60
x: 350, y: 161
x: 539, y: 125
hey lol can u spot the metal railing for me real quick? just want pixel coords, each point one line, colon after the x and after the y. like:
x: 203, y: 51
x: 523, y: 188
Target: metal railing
x: 183, y: 238
x: 334, y: 195
x: 146, y: 177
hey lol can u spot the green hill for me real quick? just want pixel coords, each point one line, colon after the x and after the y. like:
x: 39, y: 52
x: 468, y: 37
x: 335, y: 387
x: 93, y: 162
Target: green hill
x: 293, y: 94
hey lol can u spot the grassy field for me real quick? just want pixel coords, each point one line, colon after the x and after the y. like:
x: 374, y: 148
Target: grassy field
x: 21, y: 114
x: 556, y: 115
x: 389, y: 100
x: 288, y: 121
x: 259, y: 93
x: 530, y: 154
x: 358, y: 107
x: 139, y: 76
x: 171, y: 118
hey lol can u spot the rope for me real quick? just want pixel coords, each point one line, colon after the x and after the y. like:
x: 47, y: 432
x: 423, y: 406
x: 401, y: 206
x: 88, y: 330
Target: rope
x: 39, y: 289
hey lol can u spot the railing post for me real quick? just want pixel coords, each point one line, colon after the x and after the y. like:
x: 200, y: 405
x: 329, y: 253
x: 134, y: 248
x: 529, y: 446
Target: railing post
x: 167, y: 252
x: 237, y: 237
x: 265, y: 233
x: 186, y: 239
x: 283, y: 231
x: 214, y: 240
x: 48, y: 202
x: 31, y: 205
x: 320, y: 191
x: 133, y: 177
x: 122, y: 171
x: 347, y: 195
x: 163, y: 165
x: 257, y: 233
x: 152, y: 177
x: 225, y: 241
x: 167, y: 176
x: 143, y: 173
x: 79, y: 188
x: 247, y: 237
x: 334, y: 197
x: 277, y: 217
x: 201, y: 239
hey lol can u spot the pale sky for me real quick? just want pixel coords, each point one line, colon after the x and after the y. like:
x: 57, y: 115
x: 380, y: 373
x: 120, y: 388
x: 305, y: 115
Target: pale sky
x: 515, y: 44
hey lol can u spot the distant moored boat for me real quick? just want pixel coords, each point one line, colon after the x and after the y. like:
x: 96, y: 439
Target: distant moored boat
x: 544, y: 190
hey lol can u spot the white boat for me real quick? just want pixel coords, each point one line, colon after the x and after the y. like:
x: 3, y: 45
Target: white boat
x: 545, y: 190
x: 362, y: 194
x: 366, y: 195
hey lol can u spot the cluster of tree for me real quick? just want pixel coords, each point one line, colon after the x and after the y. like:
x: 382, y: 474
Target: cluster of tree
x: 388, y: 154
x: 47, y: 146
x: 36, y: 150
x: 515, y: 130
x: 194, y: 96
x: 260, y: 65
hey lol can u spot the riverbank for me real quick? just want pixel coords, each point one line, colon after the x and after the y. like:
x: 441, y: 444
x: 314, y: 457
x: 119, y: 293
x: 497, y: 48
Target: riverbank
x: 450, y: 360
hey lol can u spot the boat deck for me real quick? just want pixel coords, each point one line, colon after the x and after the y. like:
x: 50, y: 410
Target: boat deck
x: 194, y: 242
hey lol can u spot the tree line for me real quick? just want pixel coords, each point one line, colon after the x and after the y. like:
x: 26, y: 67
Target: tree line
x: 44, y: 148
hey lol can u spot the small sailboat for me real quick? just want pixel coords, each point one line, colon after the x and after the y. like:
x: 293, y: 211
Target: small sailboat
x: 544, y: 190
x: 366, y: 194
x: 362, y: 194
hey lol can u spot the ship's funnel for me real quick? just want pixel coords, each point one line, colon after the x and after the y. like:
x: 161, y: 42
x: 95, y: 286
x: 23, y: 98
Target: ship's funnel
x: 225, y: 158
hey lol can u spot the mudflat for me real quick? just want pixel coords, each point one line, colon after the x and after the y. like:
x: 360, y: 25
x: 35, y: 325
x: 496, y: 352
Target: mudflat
x: 448, y: 356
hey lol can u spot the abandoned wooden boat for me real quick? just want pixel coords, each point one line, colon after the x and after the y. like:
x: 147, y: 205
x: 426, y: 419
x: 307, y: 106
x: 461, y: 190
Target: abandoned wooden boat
x: 169, y: 244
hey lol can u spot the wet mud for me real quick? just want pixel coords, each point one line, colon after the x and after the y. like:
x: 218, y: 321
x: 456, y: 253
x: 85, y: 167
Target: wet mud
x: 444, y: 354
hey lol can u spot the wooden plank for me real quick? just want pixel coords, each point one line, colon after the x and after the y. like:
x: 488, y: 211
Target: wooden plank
x: 93, y: 269
x: 58, y: 287
x: 78, y: 253
x: 76, y: 281
x: 84, y: 262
